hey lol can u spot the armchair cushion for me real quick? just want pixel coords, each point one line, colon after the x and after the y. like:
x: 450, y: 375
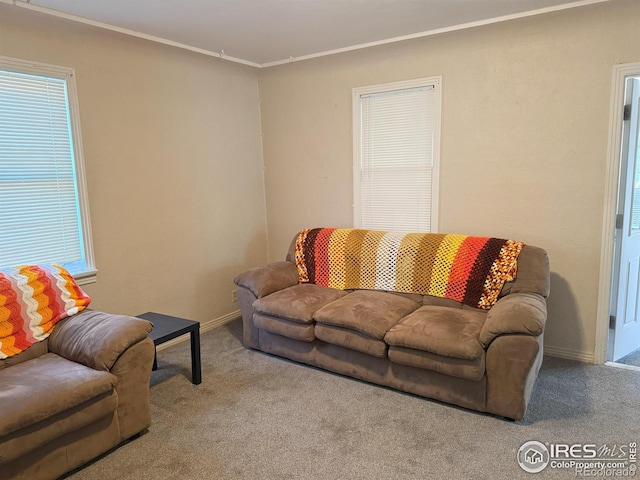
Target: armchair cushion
x: 23, y: 404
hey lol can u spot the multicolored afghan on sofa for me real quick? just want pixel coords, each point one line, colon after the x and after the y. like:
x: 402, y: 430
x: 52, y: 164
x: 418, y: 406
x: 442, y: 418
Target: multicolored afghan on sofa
x: 33, y: 298
x: 471, y: 270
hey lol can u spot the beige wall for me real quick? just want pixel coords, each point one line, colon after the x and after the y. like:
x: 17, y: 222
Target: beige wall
x: 173, y: 164
x: 173, y: 160
x: 524, y: 140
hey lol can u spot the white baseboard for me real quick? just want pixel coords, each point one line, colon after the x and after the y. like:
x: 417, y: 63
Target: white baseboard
x: 623, y: 366
x: 204, y: 327
x: 569, y: 354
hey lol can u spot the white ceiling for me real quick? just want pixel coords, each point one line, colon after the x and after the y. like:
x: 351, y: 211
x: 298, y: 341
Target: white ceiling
x: 269, y: 32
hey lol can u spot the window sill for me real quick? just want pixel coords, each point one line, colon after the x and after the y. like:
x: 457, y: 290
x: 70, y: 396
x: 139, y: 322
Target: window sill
x: 86, y: 278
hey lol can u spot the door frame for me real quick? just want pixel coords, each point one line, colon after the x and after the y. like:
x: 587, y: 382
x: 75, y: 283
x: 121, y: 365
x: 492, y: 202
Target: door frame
x: 620, y: 72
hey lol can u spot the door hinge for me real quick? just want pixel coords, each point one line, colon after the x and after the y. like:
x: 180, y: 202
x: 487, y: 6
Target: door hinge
x: 612, y: 321
x: 626, y: 113
x: 619, y: 221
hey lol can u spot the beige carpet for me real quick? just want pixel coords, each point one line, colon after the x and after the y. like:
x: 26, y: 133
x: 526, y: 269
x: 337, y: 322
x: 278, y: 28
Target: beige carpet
x: 260, y: 417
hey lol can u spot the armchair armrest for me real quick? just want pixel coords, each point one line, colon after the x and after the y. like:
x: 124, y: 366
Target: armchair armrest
x: 516, y: 313
x: 97, y: 339
x: 268, y: 278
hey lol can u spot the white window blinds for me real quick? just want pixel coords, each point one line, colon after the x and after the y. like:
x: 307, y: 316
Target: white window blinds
x: 40, y: 213
x: 395, y: 166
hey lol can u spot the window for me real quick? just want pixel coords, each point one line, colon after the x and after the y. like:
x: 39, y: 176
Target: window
x: 44, y: 215
x: 396, y: 148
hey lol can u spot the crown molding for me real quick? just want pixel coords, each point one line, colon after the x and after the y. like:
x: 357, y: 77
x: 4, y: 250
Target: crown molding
x: 126, y: 31
x: 437, y: 31
x: 463, y: 26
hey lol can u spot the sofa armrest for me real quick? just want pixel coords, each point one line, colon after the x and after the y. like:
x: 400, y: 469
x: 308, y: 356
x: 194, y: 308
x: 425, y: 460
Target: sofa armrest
x: 269, y: 278
x: 516, y: 313
x: 97, y: 339
x: 133, y: 370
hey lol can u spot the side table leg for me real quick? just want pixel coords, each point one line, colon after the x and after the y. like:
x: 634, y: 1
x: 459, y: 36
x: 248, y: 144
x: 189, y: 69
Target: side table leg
x: 155, y: 359
x: 196, y: 369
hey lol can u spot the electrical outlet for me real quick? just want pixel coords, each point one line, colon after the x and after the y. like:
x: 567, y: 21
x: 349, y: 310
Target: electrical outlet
x: 234, y: 296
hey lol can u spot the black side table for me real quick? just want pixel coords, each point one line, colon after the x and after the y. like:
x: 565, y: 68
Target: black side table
x: 166, y: 327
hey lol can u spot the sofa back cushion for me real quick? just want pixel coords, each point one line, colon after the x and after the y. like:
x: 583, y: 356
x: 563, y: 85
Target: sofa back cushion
x: 33, y: 298
x: 34, y: 351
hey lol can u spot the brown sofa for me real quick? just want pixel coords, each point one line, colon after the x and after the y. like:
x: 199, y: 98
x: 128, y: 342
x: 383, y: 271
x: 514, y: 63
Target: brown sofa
x: 434, y: 347
x: 75, y: 395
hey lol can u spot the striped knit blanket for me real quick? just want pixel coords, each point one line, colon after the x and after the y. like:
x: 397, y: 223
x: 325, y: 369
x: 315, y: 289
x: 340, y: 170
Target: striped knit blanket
x: 33, y: 298
x: 471, y: 270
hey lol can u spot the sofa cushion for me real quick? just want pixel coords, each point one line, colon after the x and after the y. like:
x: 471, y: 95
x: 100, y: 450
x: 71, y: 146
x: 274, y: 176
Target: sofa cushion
x: 298, y: 331
x: 455, y: 367
x: 369, y: 312
x: 297, y: 303
x: 45, y: 386
x: 450, y: 332
x: 351, y: 339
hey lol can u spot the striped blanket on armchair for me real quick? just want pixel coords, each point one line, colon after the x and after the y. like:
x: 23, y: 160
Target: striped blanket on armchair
x: 33, y: 298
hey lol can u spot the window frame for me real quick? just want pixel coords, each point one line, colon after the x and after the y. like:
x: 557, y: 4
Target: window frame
x: 357, y: 92
x: 89, y: 274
